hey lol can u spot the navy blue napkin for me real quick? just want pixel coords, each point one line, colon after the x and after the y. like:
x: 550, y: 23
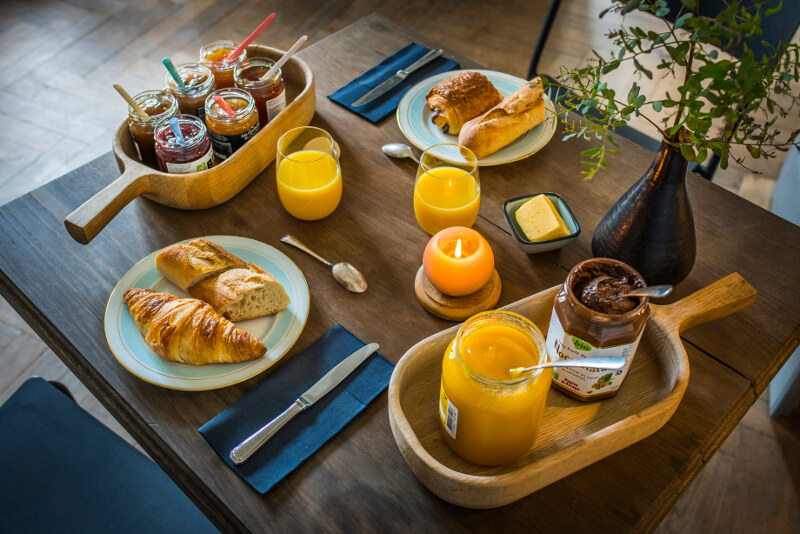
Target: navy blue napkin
x: 384, y: 105
x: 309, y: 430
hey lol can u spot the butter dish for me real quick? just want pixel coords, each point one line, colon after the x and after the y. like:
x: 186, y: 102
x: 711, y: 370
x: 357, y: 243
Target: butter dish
x: 510, y: 208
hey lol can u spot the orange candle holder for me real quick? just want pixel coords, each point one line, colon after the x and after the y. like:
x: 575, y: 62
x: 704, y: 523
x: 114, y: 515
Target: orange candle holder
x: 457, y: 278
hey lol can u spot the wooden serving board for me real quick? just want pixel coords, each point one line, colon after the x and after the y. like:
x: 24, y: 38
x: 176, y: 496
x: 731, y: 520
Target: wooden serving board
x: 574, y: 434
x: 205, y: 189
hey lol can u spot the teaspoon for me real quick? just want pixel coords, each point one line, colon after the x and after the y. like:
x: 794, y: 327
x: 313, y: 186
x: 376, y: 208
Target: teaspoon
x: 657, y: 291
x: 598, y: 363
x: 344, y: 273
x: 399, y: 150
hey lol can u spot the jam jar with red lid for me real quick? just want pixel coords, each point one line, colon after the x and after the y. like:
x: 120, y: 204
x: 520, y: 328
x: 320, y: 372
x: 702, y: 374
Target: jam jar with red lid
x: 193, y: 155
x: 591, y: 319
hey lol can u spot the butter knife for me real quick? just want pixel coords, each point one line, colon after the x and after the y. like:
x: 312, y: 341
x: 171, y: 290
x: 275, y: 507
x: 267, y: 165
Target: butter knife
x: 242, y: 452
x: 399, y: 76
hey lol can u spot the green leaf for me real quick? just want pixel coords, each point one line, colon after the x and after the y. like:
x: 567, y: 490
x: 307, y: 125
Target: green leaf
x: 702, y: 154
x: 754, y: 151
x: 591, y: 152
x: 713, y: 54
x: 688, y: 152
x: 771, y: 11
x: 641, y: 68
x: 656, y: 106
x: 689, y: 4
x: 683, y: 18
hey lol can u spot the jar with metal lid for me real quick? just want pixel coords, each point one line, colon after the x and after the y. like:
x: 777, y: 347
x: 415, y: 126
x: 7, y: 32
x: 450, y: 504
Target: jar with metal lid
x: 198, y: 81
x: 269, y: 94
x: 230, y: 128
x: 159, y: 106
x: 591, y: 319
x: 489, y: 414
x: 215, y: 57
x: 193, y: 155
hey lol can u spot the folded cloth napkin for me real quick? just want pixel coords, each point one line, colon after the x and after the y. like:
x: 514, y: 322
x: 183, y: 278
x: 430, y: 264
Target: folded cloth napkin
x: 309, y: 430
x: 383, y: 106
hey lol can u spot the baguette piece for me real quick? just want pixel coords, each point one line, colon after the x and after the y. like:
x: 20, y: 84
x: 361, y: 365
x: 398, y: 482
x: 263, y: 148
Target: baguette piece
x: 189, y: 330
x: 186, y: 264
x: 240, y: 294
x: 516, y: 114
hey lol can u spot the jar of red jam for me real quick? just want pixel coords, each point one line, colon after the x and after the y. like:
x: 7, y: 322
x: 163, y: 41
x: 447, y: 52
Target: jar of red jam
x: 215, y: 57
x: 229, y: 131
x: 198, y: 81
x: 269, y: 94
x: 159, y: 106
x: 193, y: 155
x: 592, y: 319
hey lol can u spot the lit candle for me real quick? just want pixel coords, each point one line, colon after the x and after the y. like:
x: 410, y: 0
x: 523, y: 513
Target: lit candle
x: 458, y: 261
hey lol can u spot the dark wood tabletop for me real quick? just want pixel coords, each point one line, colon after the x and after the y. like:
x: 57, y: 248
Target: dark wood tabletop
x: 358, y: 481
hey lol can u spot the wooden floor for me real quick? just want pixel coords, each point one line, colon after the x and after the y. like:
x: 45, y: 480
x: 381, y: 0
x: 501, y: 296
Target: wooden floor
x: 59, y: 111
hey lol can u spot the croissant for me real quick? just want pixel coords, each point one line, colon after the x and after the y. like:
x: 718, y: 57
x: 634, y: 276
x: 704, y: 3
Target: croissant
x: 189, y: 330
x: 457, y: 99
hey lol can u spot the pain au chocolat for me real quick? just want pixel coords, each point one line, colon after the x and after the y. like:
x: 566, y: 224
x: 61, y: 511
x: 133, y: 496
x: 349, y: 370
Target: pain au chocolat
x: 460, y: 98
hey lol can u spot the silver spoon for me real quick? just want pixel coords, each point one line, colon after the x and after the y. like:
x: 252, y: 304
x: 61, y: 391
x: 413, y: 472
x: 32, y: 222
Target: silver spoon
x: 343, y: 272
x: 657, y: 291
x: 399, y: 150
x: 599, y: 363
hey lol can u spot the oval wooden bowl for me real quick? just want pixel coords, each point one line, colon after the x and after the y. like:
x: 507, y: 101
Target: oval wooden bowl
x: 573, y: 434
x: 203, y: 189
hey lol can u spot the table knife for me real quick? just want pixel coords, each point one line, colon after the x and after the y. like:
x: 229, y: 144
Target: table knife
x: 398, y: 77
x: 242, y: 452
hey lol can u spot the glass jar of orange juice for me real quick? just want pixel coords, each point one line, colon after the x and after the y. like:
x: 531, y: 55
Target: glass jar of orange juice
x: 490, y: 415
x: 230, y: 128
x: 215, y: 57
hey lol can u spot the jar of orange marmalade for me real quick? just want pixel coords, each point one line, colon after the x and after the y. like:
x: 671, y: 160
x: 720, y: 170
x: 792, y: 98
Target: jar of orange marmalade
x: 159, y: 106
x: 270, y: 94
x: 215, y: 57
x: 199, y: 82
x: 229, y: 131
x: 489, y: 414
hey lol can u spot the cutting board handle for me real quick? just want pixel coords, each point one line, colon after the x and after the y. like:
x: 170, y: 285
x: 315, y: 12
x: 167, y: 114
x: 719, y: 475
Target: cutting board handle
x: 85, y: 223
x: 725, y: 296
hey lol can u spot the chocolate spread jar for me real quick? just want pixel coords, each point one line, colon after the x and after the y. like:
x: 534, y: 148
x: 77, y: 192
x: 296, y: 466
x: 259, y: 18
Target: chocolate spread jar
x: 590, y: 319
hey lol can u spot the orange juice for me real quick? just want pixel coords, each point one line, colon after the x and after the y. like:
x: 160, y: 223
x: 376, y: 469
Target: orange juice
x: 488, y: 416
x: 445, y: 197
x: 309, y: 184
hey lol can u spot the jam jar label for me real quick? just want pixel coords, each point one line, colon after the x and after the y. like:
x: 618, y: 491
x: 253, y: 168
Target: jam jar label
x: 448, y: 413
x: 226, y: 145
x: 201, y: 164
x: 585, y: 382
x: 276, y: 105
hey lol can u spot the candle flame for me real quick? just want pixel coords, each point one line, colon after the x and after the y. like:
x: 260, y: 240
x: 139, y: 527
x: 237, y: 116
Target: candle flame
x: 458, y: 249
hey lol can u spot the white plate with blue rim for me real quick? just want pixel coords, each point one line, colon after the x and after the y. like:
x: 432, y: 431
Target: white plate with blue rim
x: 278, y: 332
x: 416, y: 119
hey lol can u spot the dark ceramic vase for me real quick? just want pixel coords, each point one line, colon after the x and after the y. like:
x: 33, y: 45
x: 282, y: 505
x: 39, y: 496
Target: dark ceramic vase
x: 651, y: 226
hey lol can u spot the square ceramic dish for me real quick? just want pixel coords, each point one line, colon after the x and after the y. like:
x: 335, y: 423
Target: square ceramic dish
x: 510, y: 208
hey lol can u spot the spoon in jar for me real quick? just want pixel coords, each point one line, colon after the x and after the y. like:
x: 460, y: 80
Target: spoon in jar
x: 399, y: 150
x: 656, y: 292
x: 344, y: 273
x: 597, y: 363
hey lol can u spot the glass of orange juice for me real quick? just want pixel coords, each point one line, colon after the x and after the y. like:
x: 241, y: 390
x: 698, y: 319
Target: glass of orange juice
x: 308, y: 174
x: 447, y: 191
x: 489, y: 415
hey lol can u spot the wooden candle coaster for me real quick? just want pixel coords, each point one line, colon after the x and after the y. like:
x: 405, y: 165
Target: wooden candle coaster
x: 456, y: 308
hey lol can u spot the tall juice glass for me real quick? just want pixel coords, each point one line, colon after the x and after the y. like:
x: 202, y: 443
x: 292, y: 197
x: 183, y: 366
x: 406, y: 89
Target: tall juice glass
x: 308, y: 174
x: 447, y: 191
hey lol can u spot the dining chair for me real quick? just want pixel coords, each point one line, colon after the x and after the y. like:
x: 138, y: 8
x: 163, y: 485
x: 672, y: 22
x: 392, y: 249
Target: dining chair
x: 777, y: 28
x: 63, y: 471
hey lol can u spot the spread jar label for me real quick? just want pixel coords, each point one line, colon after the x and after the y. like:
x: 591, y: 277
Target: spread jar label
x: 226, y: 145
x: 201, y: 164
x: 583, y: 382
x: 276, y: 105
x: 448, y: 413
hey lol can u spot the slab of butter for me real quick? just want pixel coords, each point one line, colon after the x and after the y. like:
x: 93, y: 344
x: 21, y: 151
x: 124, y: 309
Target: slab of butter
x: 540, y: 220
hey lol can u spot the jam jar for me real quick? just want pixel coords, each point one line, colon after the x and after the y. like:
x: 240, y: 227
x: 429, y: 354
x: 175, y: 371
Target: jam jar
x: 270, y: 95
x: 490, y: 412
x: 199, y: 82
x: 591, y: 319
x: 230, y: 131
x: 159, y: 105
x: 215, y: 57
x: 193, y: 156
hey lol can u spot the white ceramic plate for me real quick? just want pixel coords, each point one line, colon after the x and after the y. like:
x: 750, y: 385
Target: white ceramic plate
x: 414, y: 118
x: 278, y: 332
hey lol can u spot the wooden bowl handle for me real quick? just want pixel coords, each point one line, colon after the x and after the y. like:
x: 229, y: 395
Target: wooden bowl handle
x: 725, y: 296
x: 86, y: 221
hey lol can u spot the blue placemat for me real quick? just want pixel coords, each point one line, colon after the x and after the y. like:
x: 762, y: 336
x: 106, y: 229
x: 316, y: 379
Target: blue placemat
x: 309, y: 430
x: 383, y: 106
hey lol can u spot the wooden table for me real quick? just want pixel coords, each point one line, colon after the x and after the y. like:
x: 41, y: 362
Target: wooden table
x: 359, y: 481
